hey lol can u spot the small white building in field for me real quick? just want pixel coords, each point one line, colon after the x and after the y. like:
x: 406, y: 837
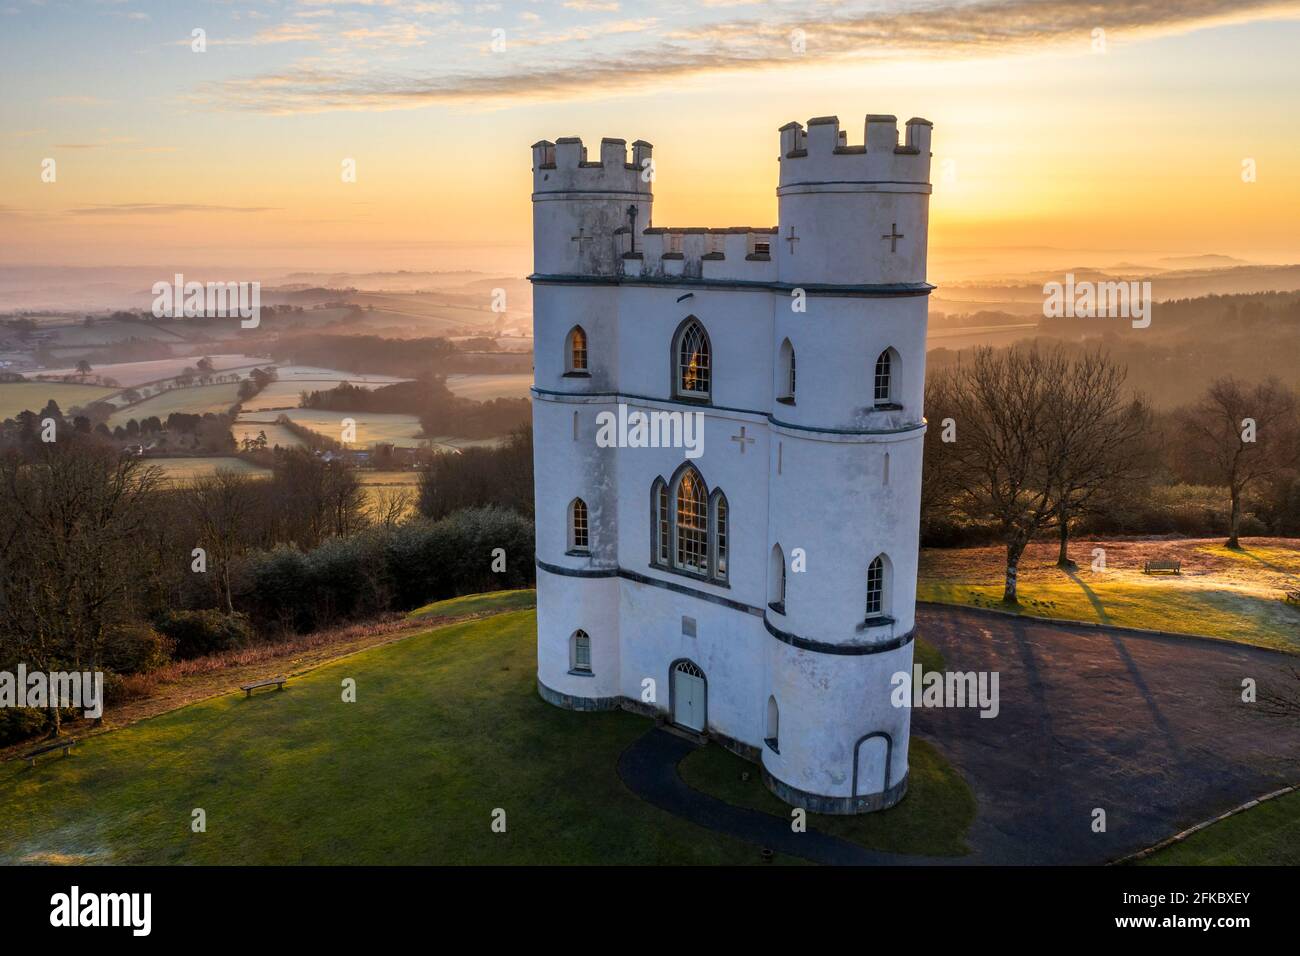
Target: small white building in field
x: 728, y: 427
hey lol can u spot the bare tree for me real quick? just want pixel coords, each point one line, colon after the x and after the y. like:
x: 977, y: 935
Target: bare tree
x: 1241, y: 437
x: 1102, y: 441
x: 315, y: 499
x: 388, y: 506
x: 221, y: 506
x: 1001, y: 457
x: 70, y: 517
x: 939, y: 485
x: 1035, y: 438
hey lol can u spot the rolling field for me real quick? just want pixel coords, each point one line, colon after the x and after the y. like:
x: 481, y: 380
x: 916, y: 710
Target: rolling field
x: 180, y: 470
x: 197, y: 400
x: 130, y: 374
x: 452, y: 443
x: 292, y: 380
x: 481, y: 388
x: 17, y: 397
x: 107, y: 332
x: 1220, y: 593
x: 275, y: 434
x: 372, y: 427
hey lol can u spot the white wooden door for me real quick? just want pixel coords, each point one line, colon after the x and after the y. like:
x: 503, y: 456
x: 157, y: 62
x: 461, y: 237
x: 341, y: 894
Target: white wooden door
x: 688, y: 697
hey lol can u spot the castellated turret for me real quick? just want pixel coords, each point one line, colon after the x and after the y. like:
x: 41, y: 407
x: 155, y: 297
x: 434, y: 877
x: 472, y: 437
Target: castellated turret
x: 858, y: 213
x: 745, y: 568
x: 587, y: 212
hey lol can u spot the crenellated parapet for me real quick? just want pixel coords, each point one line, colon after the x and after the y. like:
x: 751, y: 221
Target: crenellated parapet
x: 564, y: 166
x: 741, y: 253
x: 821, y: 153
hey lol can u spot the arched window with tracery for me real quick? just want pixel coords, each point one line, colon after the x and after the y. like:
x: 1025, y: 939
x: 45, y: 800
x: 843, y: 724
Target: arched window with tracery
x: 877, y: 587
x: 691, y: 523
x: 886, y: 378
x: 690, y: 527
x: 693, y: 361
x: 580, y: 652
x: 578, y: 529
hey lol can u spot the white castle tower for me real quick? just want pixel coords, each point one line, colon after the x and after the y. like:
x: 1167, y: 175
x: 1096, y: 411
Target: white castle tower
x: 761, y: 593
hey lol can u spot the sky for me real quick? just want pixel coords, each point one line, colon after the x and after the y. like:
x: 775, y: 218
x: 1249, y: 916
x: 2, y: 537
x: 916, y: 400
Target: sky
x: 1092, y: 132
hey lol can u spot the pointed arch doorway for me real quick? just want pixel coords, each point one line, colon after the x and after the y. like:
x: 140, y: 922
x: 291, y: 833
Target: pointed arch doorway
x: 689, y: 695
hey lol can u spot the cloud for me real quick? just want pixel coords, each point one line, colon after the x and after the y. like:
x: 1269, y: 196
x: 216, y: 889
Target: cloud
x: 582, y: 34
x: 391, y: 34
x: 835, y: 33
x: 281, y: 33
x: 159, y: 208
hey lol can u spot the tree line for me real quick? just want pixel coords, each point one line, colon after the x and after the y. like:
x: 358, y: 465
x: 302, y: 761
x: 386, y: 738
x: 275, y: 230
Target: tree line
x: 105, y: 566
x: 1035, y: 439
x: 429, y: 399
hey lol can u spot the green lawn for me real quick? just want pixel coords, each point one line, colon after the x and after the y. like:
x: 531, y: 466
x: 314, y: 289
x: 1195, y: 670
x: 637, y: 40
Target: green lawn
x: 927, y: 655
x: 1234, y: 595
x: 447, y: 727
x: 931, y: 820
x: 1265, y: 835
x: 478, y: 604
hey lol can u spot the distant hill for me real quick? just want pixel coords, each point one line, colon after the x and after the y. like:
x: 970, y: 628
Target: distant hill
x: 1190, y: 342
x: 1025, y: 294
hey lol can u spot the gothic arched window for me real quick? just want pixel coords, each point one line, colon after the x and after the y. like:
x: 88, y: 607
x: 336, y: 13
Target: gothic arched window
x: 580, y: 652
x: 691, y: 523
x: 578, y: 530
x: 693, y: 361
x: 877, y: 573
x: 886, y: 379
x: 690, y: 529
x: 575, y: 350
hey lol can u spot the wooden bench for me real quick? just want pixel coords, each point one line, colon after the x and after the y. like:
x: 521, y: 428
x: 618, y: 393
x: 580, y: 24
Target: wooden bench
x: 249, y: 688
x: 59, y: 743
x: 1163, y: 567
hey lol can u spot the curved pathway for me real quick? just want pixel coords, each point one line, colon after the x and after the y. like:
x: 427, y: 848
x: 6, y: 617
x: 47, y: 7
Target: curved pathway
x: 649, y: 769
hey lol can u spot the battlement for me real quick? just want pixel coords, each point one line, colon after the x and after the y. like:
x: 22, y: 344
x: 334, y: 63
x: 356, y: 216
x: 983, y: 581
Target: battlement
x: 821, y: 153
x: 735, y: 252
x: 563, y: 166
